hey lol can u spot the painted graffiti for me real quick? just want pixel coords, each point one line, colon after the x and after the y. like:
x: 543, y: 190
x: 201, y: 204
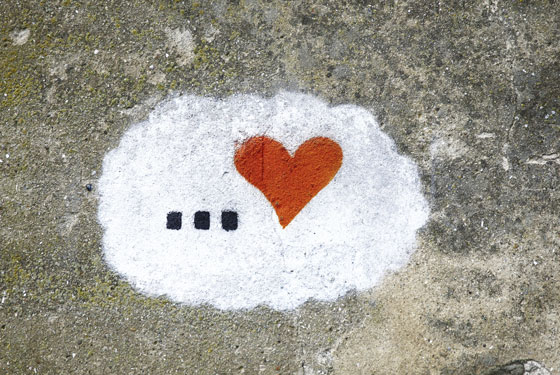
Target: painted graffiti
x: 246, y: 201
x: 288, y: 183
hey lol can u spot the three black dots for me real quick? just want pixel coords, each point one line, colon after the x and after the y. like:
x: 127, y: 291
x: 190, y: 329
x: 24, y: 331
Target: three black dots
x: 202, y: 220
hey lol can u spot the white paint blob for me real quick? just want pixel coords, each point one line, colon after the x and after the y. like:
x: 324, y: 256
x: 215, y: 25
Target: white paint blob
x: 20, y: 37
x: 360, y: 226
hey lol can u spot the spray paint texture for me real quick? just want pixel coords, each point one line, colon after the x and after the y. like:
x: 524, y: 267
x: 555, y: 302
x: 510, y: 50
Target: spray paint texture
x: 289, y: 183
x: 354, y: 219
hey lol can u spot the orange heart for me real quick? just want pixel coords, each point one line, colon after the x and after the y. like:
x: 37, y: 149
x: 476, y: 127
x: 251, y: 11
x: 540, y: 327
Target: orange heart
x: 289, y: 183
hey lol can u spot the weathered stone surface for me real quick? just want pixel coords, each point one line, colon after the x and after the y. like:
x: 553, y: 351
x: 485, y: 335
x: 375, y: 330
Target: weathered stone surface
x: 520, y: 368
x: 468, y: 90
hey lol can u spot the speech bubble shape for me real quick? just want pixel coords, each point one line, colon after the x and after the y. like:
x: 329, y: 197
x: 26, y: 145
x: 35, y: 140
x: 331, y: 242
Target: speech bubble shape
x: 224, y: 244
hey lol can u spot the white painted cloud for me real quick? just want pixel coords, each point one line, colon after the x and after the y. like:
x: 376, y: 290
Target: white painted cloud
x: 359, y: 227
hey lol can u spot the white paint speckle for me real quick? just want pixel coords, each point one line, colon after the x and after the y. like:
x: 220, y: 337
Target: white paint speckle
x: 505, y: 163
x: 535, y: 368
x: 544, y: 159
x: 359, y: 227
x: 181, y: 41
x: 486, y: 135
x: 450, y: 148
x: 20, y: 37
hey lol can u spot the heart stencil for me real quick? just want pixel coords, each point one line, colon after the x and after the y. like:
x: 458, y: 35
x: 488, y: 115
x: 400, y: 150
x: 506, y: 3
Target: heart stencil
x: 288, y: 182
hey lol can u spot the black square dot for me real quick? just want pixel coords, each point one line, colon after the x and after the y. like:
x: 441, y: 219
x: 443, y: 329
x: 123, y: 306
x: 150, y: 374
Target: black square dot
x: 174, y: 220
x: 229, y: 220
x: 202, y: 220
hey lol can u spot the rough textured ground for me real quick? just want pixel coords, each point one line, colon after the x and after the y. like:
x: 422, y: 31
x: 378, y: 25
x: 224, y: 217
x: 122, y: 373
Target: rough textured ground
x: 468, y: 89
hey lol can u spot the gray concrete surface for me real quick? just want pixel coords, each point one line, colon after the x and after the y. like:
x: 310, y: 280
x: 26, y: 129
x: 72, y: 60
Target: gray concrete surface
x: 469, y: 90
